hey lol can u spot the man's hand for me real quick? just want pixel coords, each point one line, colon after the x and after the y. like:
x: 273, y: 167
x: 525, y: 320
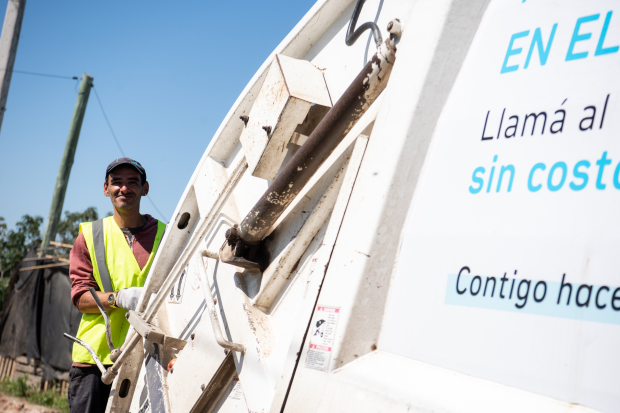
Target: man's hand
x: 87, y: 304
x: 127, y: 298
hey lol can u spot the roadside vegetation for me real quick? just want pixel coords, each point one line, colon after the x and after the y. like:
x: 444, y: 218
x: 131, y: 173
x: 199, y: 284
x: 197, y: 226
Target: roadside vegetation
x: 14, y: 243
x: 48, y: 398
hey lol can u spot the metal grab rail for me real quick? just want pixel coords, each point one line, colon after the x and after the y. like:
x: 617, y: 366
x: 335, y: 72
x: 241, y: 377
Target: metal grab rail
x: 90, y: 350
x: 106, y: 318
x: 114, y: 352
x: 215, y: 322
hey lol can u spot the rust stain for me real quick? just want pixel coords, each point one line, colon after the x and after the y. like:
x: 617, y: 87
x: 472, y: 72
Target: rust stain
x: 261, y: 329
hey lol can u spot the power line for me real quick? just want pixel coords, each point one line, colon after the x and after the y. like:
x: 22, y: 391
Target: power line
x: 155, y: 206
x: 119, y: 146
x: 108, y: 122
x: 23, y: 72
x: 43, y: 74
x: 102, y: 111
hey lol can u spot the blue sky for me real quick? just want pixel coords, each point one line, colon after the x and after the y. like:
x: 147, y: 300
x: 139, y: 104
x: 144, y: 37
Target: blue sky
x: 167, y: 73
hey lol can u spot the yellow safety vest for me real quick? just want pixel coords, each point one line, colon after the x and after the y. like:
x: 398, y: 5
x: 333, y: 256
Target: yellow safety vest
x: 124, y: 272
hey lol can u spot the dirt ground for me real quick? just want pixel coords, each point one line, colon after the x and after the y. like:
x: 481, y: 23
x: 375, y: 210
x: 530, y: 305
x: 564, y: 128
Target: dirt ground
x: 14, y: 404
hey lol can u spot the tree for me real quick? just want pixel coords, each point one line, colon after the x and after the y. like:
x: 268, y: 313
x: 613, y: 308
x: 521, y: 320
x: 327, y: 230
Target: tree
x: 69, y: 228
x: 14, y: 243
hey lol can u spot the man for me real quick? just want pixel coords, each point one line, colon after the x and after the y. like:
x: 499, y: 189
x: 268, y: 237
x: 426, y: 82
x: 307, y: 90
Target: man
x: 114, y: 256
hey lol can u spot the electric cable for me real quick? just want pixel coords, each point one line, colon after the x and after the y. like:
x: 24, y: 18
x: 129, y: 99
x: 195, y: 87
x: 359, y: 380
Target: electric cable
x: 23, y: 72
x: 108, y: 121
x: 43, y: 74
x: 105, y: 116
x: 119, y: 145
x: 154, y: 206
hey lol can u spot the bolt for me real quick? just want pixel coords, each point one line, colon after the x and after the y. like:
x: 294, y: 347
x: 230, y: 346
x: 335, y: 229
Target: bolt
x: 395, y: 28
x: 245, y: 119
x: 239, y: 247
x: 215, y: 300
x: 193, y: 336
x: 373, y: 347
x: 231, y: 234
x: 203, y: 387
x: 267, y: 129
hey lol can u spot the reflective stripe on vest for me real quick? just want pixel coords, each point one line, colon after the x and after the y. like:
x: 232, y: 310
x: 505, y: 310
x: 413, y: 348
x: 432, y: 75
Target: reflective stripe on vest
x: 110, y: 253
x: 99, y: 246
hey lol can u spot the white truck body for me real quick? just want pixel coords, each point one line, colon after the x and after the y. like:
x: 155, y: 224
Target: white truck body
x: 425, y: 267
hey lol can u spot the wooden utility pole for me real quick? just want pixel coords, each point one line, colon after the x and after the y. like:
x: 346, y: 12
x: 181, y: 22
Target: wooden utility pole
x: 8, y: 48
x: 67, y: 161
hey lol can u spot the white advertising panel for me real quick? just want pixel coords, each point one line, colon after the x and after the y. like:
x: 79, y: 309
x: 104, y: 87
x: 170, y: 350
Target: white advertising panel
x: 509, y: 268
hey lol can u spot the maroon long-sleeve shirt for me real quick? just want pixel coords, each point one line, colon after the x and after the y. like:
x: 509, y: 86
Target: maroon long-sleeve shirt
x: 81, y: 268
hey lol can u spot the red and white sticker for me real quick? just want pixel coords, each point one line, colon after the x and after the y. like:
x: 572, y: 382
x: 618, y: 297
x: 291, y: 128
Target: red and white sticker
x: 323, y: 332
x: 236, y: 393
x: 309, y: 279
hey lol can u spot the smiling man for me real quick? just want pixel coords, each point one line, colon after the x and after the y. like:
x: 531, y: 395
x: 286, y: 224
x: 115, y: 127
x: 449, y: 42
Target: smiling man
x: 114, y: 256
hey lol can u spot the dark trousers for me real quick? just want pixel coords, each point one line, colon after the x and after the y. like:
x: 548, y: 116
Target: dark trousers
x: 87, y: 393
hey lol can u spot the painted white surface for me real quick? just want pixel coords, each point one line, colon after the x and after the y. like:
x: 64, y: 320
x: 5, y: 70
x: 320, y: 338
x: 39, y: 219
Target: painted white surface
x: 565, y: 352
x: 304, y: 80
x: 383, y: 382
x: 447, y: 227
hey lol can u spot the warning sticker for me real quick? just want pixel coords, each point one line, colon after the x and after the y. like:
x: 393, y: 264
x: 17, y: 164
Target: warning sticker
x: 323, y: 332
x: 236, y: 392
x: 309, y: 280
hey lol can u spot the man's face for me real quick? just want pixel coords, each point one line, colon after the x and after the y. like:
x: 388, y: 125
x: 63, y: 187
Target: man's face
x: 124, y: 187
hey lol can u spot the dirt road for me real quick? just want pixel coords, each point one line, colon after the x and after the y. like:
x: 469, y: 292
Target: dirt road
x: 14, y: 404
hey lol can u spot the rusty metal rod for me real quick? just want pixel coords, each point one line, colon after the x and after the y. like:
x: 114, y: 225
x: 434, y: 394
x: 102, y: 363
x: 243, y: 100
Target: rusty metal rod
x: 320, y: 144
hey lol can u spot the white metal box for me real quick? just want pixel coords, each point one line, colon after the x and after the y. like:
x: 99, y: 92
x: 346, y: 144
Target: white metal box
x: 290, y: 89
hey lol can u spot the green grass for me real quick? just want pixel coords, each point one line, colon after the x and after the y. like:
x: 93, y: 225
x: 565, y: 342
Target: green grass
x: 48, y: 398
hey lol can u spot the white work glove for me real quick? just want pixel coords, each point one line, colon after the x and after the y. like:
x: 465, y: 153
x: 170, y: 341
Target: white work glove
x: 127, y: 298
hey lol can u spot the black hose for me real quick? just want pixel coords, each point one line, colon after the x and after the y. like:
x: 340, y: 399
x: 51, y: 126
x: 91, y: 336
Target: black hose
x: 352, y: 35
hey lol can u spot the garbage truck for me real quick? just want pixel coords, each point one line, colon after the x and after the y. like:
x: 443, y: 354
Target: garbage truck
x: 409, y: 208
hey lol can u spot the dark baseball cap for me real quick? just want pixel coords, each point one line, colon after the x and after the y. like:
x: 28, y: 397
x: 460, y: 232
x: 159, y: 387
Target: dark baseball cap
x: 125, y: 161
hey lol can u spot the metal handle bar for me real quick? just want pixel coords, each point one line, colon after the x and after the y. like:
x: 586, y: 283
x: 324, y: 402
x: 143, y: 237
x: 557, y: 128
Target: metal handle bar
x: 130, y: 343
x: 106, y: 318
x: 90, y: 350
x: 108, y: 334
x: 215, y: 323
